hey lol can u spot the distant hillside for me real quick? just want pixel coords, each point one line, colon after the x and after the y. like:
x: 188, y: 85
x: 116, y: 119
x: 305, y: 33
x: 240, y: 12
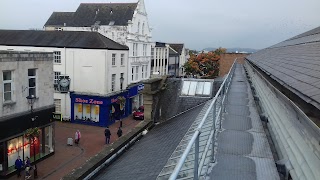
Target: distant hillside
x: 232, y: 50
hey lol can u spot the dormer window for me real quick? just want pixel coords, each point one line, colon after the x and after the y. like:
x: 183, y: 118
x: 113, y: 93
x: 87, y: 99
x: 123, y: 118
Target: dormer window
x: 138, y: 31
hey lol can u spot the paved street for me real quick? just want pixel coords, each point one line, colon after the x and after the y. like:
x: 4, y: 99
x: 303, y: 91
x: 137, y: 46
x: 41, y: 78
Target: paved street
x: 66, y: 158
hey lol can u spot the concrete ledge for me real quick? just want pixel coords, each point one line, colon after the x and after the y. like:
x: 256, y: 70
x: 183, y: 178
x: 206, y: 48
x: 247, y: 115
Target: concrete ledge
x: 95, y: 161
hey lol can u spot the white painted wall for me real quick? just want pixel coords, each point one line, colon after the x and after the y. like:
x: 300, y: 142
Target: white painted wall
x: 44, y: 89
x: 160, y: 56
x: 90, y: 70
x: 137, y: 32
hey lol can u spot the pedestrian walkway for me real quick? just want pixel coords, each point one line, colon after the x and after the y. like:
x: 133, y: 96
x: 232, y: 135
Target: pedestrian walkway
x: 243, y: 151
x: 66, y: 158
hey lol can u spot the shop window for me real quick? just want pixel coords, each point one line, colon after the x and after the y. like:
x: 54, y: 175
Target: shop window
x: 2, y: 155
x: 32, y: 81
x: 7, y: 85
x: 86, y: 112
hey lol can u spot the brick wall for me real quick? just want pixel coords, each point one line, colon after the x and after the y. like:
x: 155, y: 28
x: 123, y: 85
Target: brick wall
x: 227, y: 59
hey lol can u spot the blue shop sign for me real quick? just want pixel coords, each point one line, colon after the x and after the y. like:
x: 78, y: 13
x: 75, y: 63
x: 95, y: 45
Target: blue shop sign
x: 133, y: 91
x: 89, y: 100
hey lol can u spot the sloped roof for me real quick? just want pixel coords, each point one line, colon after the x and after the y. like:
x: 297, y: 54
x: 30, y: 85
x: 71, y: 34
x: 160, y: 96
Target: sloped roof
x: 294, y: 63
x: 59, y: 18
x: 69, y: 39
x: 177, y: 47
x: 88, y: 14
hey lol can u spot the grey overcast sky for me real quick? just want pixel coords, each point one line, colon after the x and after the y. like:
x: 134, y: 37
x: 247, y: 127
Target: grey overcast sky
x: 197, y: 23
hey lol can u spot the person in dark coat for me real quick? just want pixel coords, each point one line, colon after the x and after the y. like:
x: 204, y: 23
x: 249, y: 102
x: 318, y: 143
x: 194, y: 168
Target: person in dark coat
x: 107, y: 134
x: 119, y: 133
x: 18, y: 165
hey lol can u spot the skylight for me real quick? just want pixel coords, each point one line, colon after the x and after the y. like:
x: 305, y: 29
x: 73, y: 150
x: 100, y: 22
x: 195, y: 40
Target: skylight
x: 196, y: 88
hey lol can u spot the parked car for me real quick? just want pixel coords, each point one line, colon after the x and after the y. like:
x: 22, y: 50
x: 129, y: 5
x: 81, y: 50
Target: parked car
x: 139, y: 113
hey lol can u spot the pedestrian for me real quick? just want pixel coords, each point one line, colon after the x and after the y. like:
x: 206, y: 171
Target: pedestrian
x: 28, y: 163
x: 77, y: 137
x: 119, y: 133
x: 107, y: 134
x: 18, y: 165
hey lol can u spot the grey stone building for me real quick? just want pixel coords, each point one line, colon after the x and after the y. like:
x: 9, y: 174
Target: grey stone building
x: 25, y: 74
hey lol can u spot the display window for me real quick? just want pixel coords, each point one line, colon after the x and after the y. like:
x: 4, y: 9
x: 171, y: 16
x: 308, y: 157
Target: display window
x: 25, y: 147
x: 86, y: 112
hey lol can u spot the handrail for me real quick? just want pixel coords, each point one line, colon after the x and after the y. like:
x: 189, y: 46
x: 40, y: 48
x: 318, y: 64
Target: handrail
x: 195, y: 137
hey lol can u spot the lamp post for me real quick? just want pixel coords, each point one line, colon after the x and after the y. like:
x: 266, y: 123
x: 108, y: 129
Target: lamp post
x: 31, y: 99
x: 121, y: 82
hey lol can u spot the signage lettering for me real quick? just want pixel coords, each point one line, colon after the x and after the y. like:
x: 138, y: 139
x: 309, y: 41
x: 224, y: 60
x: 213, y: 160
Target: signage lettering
x: 88, y: 101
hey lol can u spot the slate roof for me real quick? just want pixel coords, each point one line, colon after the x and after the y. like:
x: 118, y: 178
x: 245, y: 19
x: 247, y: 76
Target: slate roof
x: 145, y: 160
x: 59, y: 18
x: 88, y: 14
x: 177, y: 47
x: 69, y: 39
x: 294, y: 63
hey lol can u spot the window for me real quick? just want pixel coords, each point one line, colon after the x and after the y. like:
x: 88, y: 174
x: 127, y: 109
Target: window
x: 137, y: 71
x: 113, y: 82
x: 56, y: 80
x: 138, y: 31
x: 142, y: 75
x: 112, y: 35
x: 152, y: 52
x: 144, y: 50
x: 146, y: 74
x: 122, y: 59
x: 135, y: 49
x: 32, y: 81
x: 121, y: 83
x: 113, y: 59
x: 7, y: 85
x: 132, y: 73
x: 57, y: 104
x: 142, y: 28
x: 57, y: 56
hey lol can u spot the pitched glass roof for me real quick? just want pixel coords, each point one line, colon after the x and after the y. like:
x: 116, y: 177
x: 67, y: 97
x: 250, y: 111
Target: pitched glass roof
x: 196, y: 87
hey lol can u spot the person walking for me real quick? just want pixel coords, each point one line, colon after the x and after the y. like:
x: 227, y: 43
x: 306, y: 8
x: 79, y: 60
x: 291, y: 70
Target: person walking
x: 77, y: 137
x: 107, y: 134
x: 119, y: 133
x: 18, y: 165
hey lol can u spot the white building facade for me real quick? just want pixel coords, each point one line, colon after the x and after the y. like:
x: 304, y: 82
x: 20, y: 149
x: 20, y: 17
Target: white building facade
x: 125, y: 23
x: 98, y: 69
x: 159, y: 60
x: 25, y: 74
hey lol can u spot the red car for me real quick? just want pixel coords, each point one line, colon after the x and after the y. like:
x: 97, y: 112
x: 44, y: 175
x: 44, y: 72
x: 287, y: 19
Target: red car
x: 139, y: 114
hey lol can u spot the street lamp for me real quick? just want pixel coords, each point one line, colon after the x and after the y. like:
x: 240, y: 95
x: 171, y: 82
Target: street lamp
x: 31, y: 99
x: 121, y: 82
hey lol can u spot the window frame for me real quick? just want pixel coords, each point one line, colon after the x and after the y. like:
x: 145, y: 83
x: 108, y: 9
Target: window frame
x: 121, y: 83
x: 137, y: 73
x: 113, y: 59
x: 35, y: 82
x: 57, y: 57
x: 113, y: 82
x: 122, y: 59
x: 57, y: 75
x: 7, y: 82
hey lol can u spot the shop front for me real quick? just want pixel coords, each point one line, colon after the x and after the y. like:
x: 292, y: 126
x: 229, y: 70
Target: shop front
x: 135, y: 97
x: 98, y: 110
x: 15, y: 143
